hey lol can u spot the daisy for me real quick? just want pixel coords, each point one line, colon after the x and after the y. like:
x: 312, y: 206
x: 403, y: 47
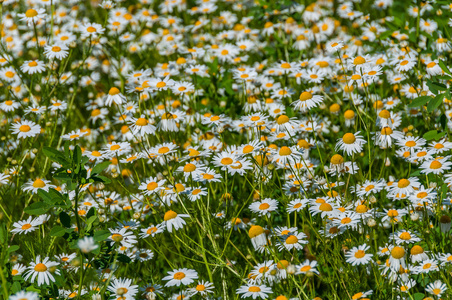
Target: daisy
x: 87, y: 244
x: 292, y: 241
x: 35, y: 185
x: 123, y: 289
x: 307, y: 101
x: 174, y: 220
x: 404, y: 187
x: 436, y: 288
x: 170, y: 121
x: 418, y: 254
x: 404, y: 237
x: 151, y: 230
x: 264, y: 207
x: 74, y: 135
x: 160, y: 84
x: 397, y: 258
x: 114, y: 96
x: 18, y: 269
x: 9, y: 105
x: 203, y: 288
x: 255, y: 291
x: 440, y: 146
x: 25, y: 129
x: 25, y: 226
x: 32, y: 16
x: 114, y: 148
x: 351, y: 143
x: 179, y: 277
x: 257, y: 235
x: 296, y: 205
x: 426, y: 266
x: 358, y: 255
x: 123, y: 236
x: 436, y: 166
x: 58, y: 51
x: 91, y: 30
x: 33, y: 66
x: 141, y: 126
x: 40, y: 269
x: 306, y: 266
x: 24, y: 295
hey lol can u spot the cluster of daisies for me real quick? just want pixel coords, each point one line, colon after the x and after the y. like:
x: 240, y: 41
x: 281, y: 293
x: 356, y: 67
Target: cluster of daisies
x: 254, y: 150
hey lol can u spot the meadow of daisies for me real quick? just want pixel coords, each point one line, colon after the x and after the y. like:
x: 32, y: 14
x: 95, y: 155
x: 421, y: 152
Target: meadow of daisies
x: 225, y: 149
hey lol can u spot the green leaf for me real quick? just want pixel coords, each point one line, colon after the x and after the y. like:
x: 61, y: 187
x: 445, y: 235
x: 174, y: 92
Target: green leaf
x: 440, y: 135
x: 430, y: 135
x: 103, y: 179
x: 16, y: 287
x: 13, y: 248
x: 444, y: 67
x: 418, y: 296
x: 97, y: 169
x: 101, y: 235
x: 37, y: 208
x: 55, y: 155
x: 62, y: 176
x: 435, y: 102
x: 385, y: 34
x: 91, y: 212
x: 65, y: 219
x: 420, y: 101
x: 124, y: 258
x: 45, y: 196
x: 57, y: 231
x: 416, y: 173
x: 443, y: 121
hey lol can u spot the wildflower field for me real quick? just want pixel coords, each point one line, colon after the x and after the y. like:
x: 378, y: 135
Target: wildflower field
x: 225, y: 149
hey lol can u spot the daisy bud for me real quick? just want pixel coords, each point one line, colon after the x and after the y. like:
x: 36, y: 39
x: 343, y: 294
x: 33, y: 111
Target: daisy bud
x: 291, y: 269
x: 101, y: 219
x: 223, y: 103
x: 387, y: 162
x: 32, y: 169
x: 386, y: 224
x: 309, y: 274
x: 372, y: 199
x: 432, y: 185
x: 360, y: 230
x: 136, y: 215
x: 72, y: 44
x: 371, y: 222
x: 100, y: 211
x: 96, y: 297
x: 336, y: 129
x: 150, y: 296
x: 414, y: 216
x: 14, y: 161
x: 271, y: 166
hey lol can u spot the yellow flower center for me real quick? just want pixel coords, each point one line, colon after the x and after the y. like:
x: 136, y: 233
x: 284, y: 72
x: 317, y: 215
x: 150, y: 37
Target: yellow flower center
x: 179, y: 276
x: 31, y: 13
x: 403, y: 183
x: 397, y: 252
x: 169, y: 215
x: 24, y: 128
x: 40, y: 267
x: 38, y: 183
x: 435, y: 165
x: 360, y: 254
x: 349, y: 138
x: 113, y: 91
x: 284, y: 151
x: 291, y: 240
x: 141, y: 122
